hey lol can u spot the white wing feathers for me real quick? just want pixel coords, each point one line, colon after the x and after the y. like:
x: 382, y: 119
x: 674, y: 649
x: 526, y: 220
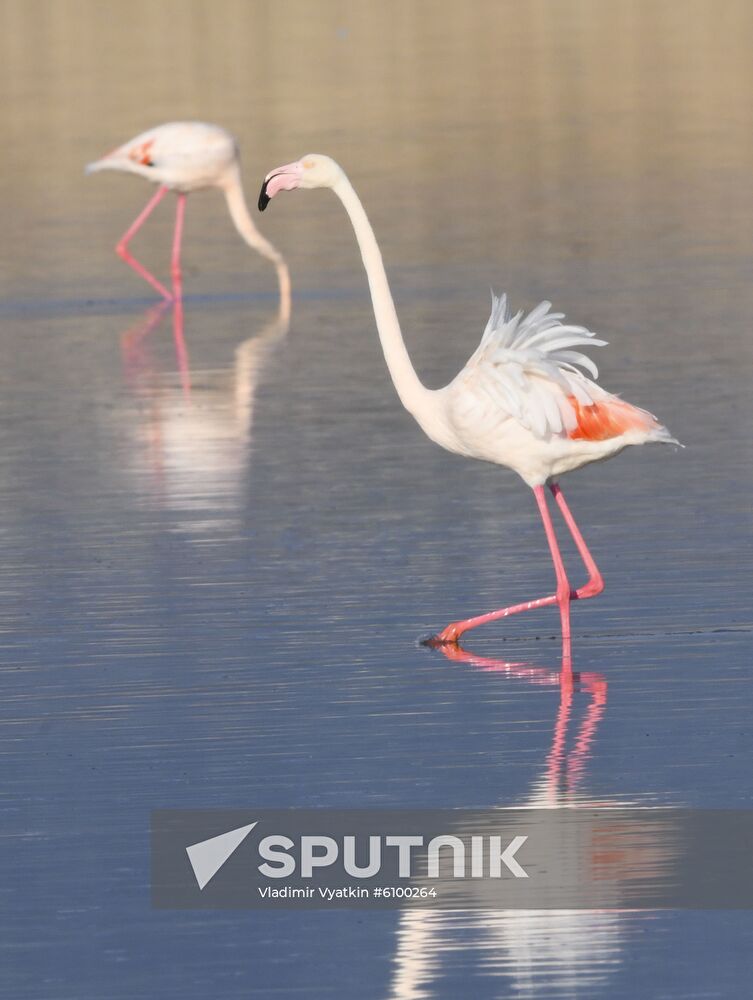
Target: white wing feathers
x: 527, y: 365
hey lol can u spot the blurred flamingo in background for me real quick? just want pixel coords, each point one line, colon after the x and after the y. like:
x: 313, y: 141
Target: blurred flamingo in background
x: 521, y: 401
x: 185, y: 157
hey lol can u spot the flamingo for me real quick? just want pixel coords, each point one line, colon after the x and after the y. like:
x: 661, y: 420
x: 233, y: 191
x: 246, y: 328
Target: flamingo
x: 185, y: 157
x: 522, y: 400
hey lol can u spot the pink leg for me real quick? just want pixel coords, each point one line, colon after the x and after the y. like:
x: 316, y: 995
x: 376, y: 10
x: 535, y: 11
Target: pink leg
x: 595, y: 583
x: 562, y: 597
x: 122, y: 247
x: 180, y: 212
x: 181, y: 351
x: 594, y: 586
x: 563, y: 586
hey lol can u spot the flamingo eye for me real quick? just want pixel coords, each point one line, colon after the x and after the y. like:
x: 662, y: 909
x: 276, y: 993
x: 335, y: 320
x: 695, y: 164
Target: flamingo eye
x: 308, y: 164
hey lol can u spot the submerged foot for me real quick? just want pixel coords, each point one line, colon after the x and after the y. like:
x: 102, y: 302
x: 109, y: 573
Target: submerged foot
x: 449, y: 636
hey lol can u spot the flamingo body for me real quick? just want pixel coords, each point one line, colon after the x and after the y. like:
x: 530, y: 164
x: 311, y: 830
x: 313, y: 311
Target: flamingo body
x: 182, y: 156
x: 523, y: 400
x: 185, y: 157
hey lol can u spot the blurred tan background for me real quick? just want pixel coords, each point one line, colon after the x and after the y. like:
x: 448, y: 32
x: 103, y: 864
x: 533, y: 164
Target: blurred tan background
x: 542, y: 128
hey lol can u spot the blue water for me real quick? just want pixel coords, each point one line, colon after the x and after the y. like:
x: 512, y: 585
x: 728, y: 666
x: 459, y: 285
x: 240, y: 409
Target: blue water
x: 214, y: 596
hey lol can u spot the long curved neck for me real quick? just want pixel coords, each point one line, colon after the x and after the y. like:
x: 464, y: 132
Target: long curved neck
x: 236, y: 203
x: 409, y: 387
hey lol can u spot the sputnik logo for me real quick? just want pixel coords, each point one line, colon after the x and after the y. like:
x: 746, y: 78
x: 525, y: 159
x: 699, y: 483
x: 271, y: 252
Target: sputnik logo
x: 208, y: 856
x: 317, y: 852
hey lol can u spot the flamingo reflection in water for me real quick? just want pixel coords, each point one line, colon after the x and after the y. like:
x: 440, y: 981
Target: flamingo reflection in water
x: 196, y: 440
x: 557, y: 952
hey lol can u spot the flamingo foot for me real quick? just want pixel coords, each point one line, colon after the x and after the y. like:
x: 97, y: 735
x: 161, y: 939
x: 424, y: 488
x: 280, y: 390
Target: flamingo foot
x: 449, y: 636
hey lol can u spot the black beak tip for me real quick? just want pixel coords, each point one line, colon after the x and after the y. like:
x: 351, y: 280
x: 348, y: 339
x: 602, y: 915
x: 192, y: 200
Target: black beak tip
x: 264, y: 198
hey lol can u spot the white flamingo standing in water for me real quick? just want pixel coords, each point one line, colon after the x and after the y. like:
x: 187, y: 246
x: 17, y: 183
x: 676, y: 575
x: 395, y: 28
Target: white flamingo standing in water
x: 185, y: 157
x: 521, y: 401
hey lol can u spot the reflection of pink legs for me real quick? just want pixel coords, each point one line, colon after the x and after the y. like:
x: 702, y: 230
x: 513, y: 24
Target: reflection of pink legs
x: 563, y: 595
x: 596, y: 708
x: 558, y: 752
x: 122, y: 247
x: 564, y: 767
x: 132, y: 338
x: 181, y: 350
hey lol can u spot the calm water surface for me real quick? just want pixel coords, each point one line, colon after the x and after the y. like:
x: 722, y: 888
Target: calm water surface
x: 213, y: 580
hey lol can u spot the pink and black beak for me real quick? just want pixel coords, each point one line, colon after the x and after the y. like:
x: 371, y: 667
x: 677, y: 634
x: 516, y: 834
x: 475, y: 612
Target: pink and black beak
x: 285, y: 178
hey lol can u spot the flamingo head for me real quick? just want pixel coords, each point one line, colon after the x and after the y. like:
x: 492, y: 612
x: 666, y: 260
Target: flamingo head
x: 311, y: 171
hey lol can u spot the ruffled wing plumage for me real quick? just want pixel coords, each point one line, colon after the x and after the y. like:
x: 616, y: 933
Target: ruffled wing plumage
x: 531, y: 367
